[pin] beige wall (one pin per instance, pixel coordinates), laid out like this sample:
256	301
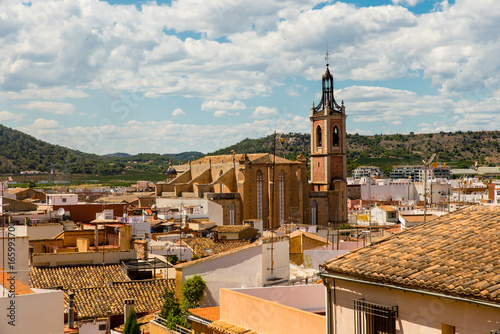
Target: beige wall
40	312
417	313
17	248
60	259
265	316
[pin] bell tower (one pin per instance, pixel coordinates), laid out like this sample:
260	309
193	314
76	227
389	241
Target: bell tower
328	138
328	157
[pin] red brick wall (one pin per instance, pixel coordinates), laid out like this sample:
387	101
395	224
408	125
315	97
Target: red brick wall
337	167
318	168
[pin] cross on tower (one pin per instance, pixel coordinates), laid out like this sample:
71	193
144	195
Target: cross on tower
327	55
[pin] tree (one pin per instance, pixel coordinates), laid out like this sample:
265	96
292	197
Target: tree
171	310
131	325
192	292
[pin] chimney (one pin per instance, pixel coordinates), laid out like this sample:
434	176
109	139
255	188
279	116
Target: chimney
71	311
129	303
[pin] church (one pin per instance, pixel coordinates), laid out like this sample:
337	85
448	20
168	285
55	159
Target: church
270	188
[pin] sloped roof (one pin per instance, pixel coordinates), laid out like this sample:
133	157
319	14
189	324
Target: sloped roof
228	328
298	233
418	218
256	158
387	208
207	313
456	254
206	246
19	287
95	302
216	256
230	228
76	277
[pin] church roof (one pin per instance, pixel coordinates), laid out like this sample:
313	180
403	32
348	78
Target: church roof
255	158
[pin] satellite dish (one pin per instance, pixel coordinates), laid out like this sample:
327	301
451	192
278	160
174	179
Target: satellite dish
183	225
61	211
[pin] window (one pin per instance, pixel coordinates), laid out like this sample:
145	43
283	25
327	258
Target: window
371	318
335	136
260	181
319	138
102	327
231	214
447	329
64	200
281	196
314	213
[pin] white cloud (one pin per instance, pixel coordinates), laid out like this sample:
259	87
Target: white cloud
178	112
221	113
223	105
41	123
59	108
9	116
264	112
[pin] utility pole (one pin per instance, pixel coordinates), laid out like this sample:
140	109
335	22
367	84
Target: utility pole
426	166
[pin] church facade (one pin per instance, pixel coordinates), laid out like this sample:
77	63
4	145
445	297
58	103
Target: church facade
270	188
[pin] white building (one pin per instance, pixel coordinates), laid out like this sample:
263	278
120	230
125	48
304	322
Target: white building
248	266
62	199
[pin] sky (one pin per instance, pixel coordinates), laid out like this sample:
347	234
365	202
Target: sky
193	75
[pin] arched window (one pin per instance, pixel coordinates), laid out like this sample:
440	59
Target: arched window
281	196
314	213
335	136
319	137
231	214
222	188
260	182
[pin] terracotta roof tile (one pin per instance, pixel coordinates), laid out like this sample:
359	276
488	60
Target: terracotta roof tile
230	228
76	277
94	302
206	246
455	254
228	328
207	313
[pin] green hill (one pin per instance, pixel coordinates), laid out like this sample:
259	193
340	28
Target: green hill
22	152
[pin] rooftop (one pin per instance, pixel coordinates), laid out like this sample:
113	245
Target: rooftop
206	246
207	313
76	277
96	301
228	328
455	254
230	228
5	285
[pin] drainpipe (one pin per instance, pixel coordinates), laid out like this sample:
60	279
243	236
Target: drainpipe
71	310
329	329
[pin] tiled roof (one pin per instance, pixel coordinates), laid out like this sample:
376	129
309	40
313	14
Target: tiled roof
206	246
298	233
218	255
5	284
207	313
456	254
228	158
228	328
387	208
230	228
76	277
94	302
419	218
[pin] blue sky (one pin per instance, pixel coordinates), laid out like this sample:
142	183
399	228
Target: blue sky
174	76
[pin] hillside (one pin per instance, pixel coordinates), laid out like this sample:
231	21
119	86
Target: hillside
21	152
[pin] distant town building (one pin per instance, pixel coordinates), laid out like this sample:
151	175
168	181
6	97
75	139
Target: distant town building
367	171
415	173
